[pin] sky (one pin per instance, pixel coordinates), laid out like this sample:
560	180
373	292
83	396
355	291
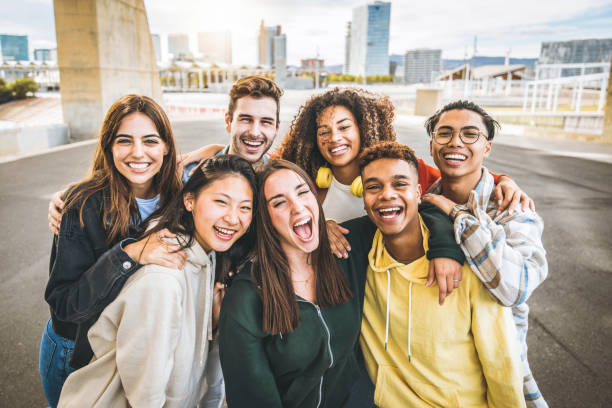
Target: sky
318	26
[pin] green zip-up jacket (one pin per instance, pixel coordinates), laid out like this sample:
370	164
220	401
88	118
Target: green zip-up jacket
315	365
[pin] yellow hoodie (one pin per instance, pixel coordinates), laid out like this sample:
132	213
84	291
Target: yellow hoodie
461	354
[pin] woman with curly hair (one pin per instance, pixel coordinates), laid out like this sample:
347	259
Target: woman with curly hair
327	136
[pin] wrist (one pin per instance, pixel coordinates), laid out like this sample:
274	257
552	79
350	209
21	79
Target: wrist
457	210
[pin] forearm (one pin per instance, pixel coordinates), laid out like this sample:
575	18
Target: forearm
508	257
76	291
441	240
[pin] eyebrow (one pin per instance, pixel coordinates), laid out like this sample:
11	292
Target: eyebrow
131	137
230	198
396	177
246	115
465	127
280	195
337	123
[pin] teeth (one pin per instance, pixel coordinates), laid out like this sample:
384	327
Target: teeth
251	143
383	210
454	156
138	165
306	221
339	148
225	231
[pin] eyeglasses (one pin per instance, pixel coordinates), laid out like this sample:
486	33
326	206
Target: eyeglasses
467	135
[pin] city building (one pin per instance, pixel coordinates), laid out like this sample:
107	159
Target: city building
369	39
14	47
347	49
215	47
271	44
157	46
45	54
576	52
422	65
178	46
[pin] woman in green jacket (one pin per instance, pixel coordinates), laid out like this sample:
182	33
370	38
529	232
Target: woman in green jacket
290	322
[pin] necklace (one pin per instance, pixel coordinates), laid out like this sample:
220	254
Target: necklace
304	281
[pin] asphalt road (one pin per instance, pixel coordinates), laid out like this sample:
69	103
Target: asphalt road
571	313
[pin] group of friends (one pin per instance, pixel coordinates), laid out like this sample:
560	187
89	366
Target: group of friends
337	271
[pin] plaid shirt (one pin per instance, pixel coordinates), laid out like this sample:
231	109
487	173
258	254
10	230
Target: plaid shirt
505	252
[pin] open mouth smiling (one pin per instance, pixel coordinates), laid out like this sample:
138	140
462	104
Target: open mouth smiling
339	150
389	213
252	144
303	229
454	158
225	234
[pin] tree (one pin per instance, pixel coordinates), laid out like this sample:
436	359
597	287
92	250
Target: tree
5	93
23	87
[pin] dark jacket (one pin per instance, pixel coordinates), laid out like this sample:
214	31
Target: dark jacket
85	275
315	365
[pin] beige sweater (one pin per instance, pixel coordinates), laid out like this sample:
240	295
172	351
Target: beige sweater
150	344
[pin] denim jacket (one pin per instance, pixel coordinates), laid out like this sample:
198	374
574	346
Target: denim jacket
85	275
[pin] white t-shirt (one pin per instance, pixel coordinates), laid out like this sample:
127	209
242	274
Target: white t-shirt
340	204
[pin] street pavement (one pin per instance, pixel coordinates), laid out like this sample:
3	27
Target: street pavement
571	313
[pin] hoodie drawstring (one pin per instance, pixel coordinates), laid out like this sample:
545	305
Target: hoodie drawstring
409	316
409	313
388	301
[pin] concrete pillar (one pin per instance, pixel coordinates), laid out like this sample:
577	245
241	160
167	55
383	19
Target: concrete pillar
607	130
104	51
427	101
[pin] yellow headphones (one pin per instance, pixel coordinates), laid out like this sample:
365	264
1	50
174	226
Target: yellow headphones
324	179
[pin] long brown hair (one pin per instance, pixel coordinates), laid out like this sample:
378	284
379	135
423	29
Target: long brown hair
119	208
271	270
374	115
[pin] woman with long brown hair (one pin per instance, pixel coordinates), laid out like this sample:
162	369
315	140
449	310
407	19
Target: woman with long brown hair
153	345
134	173
290	319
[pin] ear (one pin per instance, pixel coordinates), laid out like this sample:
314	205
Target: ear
228	123
431	147
188	201
487	148
166	149
419	193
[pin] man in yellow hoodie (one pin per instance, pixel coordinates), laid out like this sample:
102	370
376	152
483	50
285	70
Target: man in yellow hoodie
418	353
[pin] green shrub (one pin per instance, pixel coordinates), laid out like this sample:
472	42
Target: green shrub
22	87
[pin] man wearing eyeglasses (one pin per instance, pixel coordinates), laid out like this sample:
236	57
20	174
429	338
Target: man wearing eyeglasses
504	250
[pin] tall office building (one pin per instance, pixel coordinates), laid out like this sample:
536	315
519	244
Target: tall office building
576	51
215	46
369	52
45	54
271	45
14	47
156	46
178	46
422	65
347	49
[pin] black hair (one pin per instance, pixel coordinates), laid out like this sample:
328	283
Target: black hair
491	124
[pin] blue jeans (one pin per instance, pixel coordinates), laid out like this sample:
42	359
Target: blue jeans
55	352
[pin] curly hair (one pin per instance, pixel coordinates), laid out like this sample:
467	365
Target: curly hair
374	115
388	150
